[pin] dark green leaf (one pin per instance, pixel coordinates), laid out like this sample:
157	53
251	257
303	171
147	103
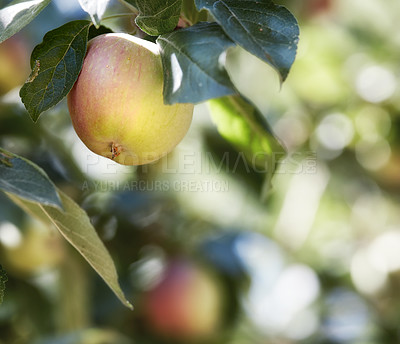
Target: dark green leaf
17	14
74	224
158	16
56	64
193	64
23	178
94	32
3	280
95	8
266	30
240	123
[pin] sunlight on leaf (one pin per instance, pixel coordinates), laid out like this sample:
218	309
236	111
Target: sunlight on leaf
17	14
241	124
192	71
95	8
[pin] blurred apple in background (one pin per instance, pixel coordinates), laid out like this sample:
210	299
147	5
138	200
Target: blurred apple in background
31	250
186	304
14	63
315	7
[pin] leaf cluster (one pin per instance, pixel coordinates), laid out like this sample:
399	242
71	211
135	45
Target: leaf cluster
193	37
193	53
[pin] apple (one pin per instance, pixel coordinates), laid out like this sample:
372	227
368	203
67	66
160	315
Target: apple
39	248
116	104
14	63
315	7
186	304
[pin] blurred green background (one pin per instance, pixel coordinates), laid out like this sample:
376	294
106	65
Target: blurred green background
201	257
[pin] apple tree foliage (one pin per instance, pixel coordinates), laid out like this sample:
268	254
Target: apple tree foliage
193	37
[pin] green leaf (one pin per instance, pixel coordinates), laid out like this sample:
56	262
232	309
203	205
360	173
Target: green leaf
266	30
3	280
95	8
190	12
56	64
130	4
101	30
17	14
23	178
192	71
241	124
157	17
74	224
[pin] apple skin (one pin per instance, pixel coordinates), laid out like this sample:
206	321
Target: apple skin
187	303
116	104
